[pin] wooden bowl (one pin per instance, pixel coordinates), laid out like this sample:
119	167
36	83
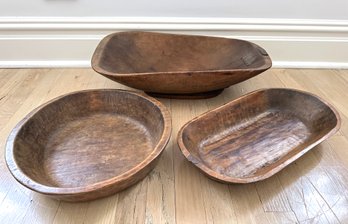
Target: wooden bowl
178	66
88	144
255	136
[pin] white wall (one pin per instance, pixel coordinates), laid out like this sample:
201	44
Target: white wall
292	9
296	33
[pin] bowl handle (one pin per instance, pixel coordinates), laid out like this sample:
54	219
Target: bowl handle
262	51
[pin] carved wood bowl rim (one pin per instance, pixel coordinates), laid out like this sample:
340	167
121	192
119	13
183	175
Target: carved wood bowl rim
96	58
28	182
226	179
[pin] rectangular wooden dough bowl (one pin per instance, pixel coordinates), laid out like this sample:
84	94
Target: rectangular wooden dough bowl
257	135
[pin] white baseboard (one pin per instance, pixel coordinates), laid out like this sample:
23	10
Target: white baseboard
45	64
310	65
70	42
87	64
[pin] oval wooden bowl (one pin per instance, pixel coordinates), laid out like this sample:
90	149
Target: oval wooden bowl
178	66
88	144
255	136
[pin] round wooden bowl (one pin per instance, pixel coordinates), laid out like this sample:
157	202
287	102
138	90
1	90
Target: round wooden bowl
88	144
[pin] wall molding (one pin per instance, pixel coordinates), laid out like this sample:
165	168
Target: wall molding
87	64
169	23
70	42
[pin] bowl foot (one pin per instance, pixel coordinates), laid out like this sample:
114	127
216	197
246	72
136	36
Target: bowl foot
203	95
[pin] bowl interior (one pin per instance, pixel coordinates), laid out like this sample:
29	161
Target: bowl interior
146	52
250	137
87	137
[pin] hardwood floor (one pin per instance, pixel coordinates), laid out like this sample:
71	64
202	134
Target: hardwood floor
314	189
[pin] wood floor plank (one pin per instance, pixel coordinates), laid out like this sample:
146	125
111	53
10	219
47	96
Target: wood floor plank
6	76
19	201
189	202
304	199
17	93
102	211
340	144
249	208
70	213
331	176
131	204
160	204
266	191
342	73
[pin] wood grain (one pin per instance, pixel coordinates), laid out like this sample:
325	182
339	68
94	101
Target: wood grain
311	190
255	136
88	144
178	66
